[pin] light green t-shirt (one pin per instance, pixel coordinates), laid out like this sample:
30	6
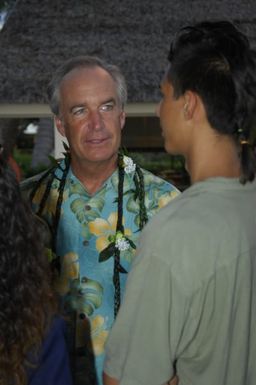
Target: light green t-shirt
190	299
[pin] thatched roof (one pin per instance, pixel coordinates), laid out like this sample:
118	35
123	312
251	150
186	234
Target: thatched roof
134	34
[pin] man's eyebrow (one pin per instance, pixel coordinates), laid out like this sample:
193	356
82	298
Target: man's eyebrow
83	105
76	106
111	100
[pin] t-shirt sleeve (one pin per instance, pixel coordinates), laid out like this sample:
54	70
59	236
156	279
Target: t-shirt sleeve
143	343
53	368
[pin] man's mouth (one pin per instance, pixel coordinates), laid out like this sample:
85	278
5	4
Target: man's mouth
96	141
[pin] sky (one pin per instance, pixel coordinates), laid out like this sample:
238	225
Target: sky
3	15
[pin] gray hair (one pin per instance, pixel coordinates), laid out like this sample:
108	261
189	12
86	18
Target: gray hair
53	90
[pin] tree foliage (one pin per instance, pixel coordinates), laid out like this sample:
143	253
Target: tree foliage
6	4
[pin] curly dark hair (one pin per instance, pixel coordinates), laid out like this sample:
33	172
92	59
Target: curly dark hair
27	303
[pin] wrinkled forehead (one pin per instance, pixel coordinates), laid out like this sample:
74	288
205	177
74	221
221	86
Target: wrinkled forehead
89	80
89	74
89	87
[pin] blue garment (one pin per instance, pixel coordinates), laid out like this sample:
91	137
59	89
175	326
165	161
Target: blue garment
86	228
53	364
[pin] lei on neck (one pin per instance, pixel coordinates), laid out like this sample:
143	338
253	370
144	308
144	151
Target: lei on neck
120	242
117	243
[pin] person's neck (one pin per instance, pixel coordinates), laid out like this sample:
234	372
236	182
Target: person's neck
93	174
213	158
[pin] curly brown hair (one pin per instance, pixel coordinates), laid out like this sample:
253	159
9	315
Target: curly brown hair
27	303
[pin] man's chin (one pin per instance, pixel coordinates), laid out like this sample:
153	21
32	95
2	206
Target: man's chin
100	157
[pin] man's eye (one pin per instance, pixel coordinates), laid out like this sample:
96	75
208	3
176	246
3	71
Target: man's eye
78	111
107	107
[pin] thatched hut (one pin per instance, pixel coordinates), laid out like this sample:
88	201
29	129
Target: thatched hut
39	35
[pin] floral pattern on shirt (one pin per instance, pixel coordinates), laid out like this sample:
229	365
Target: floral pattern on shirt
86	227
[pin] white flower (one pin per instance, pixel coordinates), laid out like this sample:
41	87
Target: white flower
129	165
122	244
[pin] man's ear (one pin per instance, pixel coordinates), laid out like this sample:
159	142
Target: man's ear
122	119
59	124
190	103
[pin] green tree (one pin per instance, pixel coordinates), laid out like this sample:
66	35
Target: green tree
6	4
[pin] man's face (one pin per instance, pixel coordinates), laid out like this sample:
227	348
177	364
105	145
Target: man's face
90	115
171	113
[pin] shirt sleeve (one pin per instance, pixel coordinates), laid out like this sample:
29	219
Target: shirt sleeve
53	368
143	343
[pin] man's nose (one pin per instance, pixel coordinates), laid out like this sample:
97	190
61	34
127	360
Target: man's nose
95	120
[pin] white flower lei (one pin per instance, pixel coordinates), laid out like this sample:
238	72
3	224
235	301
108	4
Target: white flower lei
121	243
129	165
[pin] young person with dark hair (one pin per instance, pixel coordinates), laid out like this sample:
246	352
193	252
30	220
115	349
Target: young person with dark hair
189	310
32	338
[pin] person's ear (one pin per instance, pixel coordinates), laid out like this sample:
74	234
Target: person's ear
122	119
59	124
190	101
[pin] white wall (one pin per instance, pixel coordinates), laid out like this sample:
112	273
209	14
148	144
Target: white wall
59	149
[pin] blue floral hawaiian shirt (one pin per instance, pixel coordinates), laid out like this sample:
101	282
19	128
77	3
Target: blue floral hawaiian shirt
86	226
